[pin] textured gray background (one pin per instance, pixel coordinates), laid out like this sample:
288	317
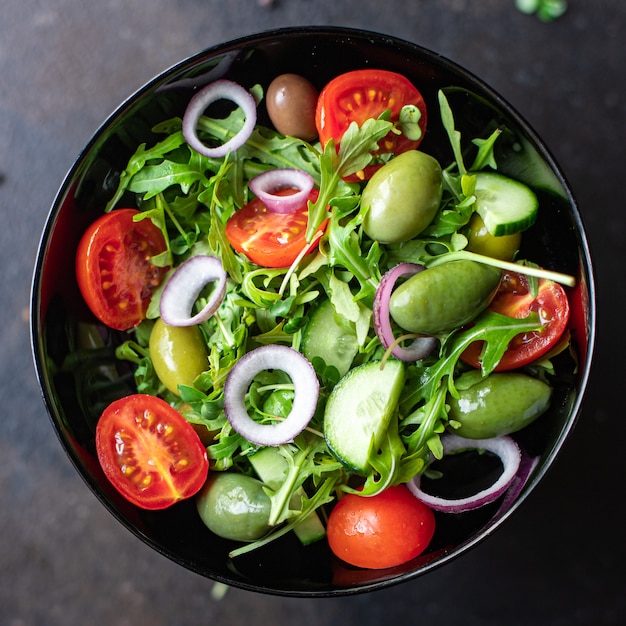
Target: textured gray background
64	66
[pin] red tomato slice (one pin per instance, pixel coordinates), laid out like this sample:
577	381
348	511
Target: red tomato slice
113	267
515	300
579	323
149	452
380	531
270	239
364	94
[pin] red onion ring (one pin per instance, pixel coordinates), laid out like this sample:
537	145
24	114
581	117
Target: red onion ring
265	185
185	284
306	391
526	468
421	346
504	447
219	90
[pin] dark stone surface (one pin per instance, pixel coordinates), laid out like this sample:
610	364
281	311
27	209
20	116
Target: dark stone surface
64	66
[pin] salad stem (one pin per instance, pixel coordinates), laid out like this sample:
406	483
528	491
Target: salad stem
538	272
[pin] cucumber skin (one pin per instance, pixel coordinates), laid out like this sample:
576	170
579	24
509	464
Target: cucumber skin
504	215
347	434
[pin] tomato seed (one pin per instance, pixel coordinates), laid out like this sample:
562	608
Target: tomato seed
181	465
544	315
119	444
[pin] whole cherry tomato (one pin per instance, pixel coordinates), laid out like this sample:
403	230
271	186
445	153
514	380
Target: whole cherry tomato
380	531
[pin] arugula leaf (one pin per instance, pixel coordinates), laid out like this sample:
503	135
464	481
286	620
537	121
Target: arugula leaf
345	250
300	465
155	211
447	118
228	445
139	160
385	463
430	420
220	205
449	219
485	156
145	377
264	145
154	179
495	329
354	154
424	406
459	183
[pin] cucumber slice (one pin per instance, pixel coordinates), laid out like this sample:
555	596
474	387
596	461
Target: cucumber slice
324	337
506	205
358	411
271	468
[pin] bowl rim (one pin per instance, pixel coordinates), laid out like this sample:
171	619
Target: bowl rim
247	41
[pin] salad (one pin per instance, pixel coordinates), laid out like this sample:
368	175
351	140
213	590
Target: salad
316	312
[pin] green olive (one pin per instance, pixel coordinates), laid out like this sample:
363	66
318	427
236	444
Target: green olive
481	241
291	101
499	404
178	354
234	506
402	197
444	297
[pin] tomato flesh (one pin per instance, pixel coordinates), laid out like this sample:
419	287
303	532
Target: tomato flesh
114	270
579	323
515	299
149	452
270	239
380	531
365	94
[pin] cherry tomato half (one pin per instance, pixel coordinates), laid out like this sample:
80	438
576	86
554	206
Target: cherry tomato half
380	531
270	239
364	94
114	270
149	452
514	299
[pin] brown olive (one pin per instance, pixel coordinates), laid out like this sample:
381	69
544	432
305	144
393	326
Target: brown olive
291	102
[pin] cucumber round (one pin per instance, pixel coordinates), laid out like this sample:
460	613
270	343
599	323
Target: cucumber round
325	337
358	411
505	205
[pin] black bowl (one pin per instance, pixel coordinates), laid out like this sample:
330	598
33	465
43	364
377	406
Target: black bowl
77	382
